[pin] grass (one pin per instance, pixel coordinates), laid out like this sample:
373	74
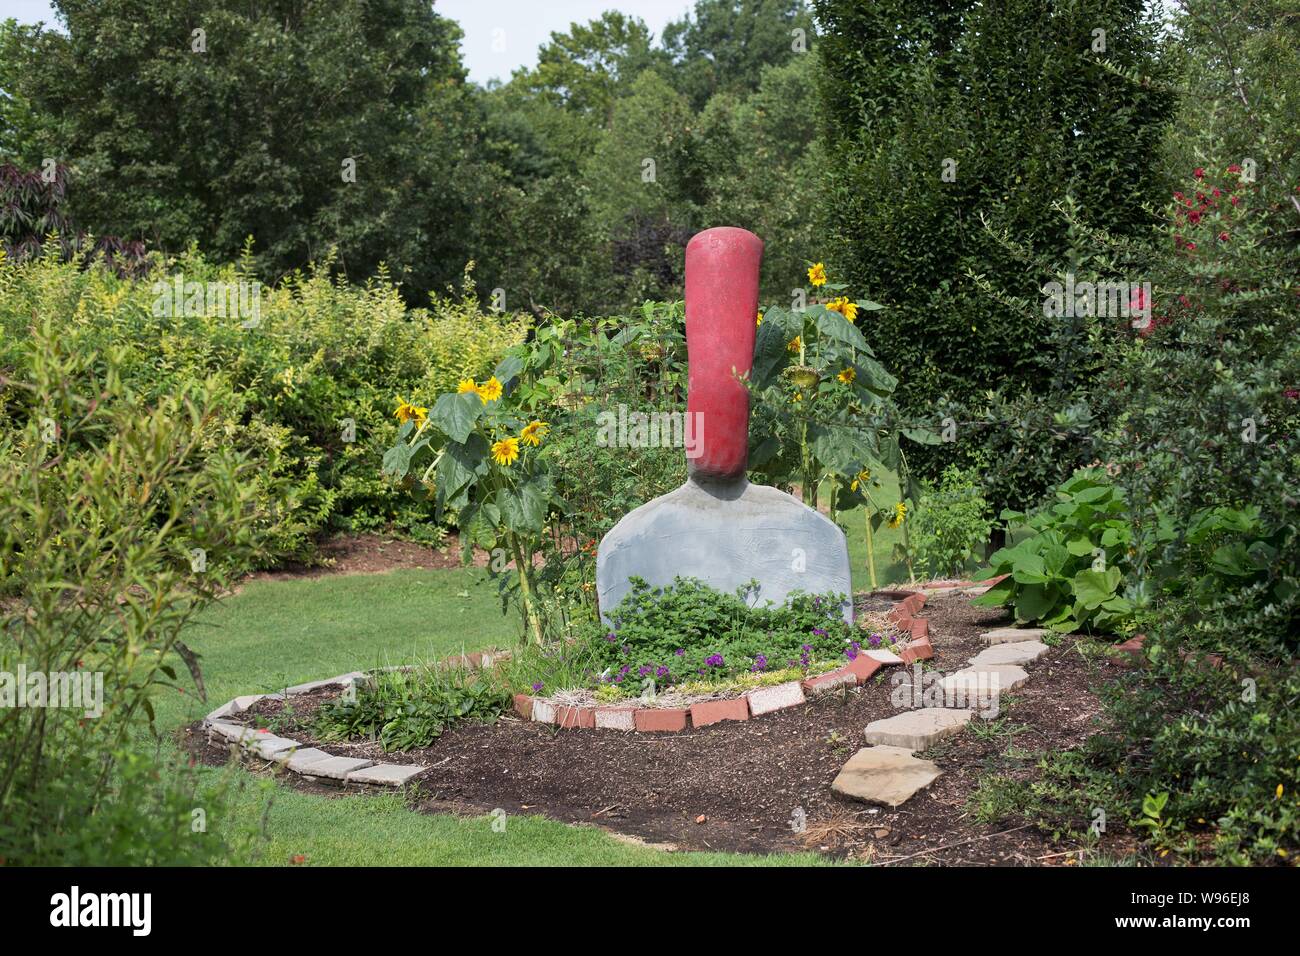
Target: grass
275	633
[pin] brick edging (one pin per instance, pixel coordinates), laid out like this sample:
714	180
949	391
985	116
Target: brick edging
752	703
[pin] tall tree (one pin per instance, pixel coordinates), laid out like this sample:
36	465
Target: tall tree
954	126
725	44
305	125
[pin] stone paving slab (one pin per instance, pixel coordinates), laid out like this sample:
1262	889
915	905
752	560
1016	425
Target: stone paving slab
883	657
336	768
918	729
230	731
299	760
885	775
1019	652
386	774
972	686
1004	635
269	746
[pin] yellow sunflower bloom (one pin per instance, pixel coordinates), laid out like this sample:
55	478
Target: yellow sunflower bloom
506	451
844	307
405	411
794	345
490	390
466	385
848	375
759	319
863	477
817	275
534	432
899	516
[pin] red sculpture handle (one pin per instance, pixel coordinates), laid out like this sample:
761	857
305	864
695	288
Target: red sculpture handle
721	307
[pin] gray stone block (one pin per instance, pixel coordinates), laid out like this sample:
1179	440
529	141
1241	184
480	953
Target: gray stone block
725	534
300	760
335	768
385	774
1004	635
268	746
1018	652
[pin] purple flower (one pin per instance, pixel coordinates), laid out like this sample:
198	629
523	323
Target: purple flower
874	640
661	672
624	669
819	632
643	670
714	660
807	648
618	679
611	637
625	649
680	652
760	663
538	685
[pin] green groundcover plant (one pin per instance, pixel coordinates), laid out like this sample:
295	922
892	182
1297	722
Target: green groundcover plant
406	709
690	632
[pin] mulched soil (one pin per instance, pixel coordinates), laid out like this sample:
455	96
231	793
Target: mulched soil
738	786
372	554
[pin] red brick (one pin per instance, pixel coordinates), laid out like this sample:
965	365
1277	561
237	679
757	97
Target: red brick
665	721
1132	649
475	660
863	667
915	603
826	682
901	614
571	717
920	628
713	711
917	650
524	706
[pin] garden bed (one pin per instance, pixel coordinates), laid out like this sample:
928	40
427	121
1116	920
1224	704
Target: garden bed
744	782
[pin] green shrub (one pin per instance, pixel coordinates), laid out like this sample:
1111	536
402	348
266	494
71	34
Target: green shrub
1067	574
115	529
407	709
308	390
951	523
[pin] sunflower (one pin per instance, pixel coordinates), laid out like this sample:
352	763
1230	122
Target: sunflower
794	345
899	515
405	411
466	385
844	307
534	432
490	390
848	375
863	477
759	319
817	275
506	451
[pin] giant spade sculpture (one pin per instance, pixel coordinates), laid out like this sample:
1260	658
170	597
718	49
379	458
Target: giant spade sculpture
718	527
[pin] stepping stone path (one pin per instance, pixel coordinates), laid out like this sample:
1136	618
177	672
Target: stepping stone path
1021	652
918	729
890	773
1006	635
889	776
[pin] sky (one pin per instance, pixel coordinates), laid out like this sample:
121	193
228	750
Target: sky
500	35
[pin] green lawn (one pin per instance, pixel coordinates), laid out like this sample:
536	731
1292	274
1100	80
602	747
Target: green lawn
275	633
